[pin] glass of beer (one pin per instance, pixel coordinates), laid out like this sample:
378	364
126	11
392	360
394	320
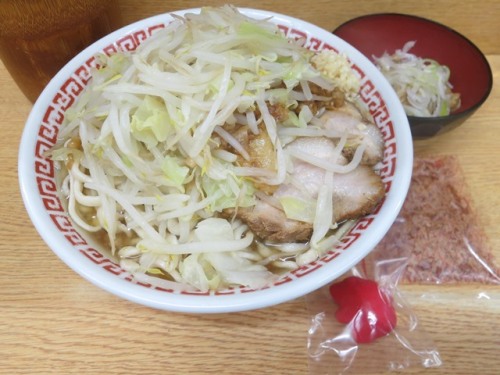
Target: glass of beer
37	37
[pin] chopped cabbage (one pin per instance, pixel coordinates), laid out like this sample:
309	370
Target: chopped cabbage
298	208
150	123
175	173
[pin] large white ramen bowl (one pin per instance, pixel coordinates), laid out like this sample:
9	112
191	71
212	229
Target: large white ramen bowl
46	209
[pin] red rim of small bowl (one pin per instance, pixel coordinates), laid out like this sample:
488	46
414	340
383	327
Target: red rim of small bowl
460	112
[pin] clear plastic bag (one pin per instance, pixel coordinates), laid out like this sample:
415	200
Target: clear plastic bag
332	346
439	229
438	242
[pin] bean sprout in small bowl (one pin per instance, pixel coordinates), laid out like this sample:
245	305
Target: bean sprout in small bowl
196	168
425	61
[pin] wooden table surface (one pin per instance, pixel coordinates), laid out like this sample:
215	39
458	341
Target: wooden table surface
54	322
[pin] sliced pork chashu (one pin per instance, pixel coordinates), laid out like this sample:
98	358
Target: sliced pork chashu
271	224
348	120
355	193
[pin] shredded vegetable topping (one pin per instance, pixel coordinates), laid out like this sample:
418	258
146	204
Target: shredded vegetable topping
154	157
422	84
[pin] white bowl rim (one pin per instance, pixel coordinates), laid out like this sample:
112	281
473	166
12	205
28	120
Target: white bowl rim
223	303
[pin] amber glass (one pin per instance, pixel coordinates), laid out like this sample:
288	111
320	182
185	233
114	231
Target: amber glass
37	37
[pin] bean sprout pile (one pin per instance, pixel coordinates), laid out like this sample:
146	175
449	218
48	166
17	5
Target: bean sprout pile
141	151
422	84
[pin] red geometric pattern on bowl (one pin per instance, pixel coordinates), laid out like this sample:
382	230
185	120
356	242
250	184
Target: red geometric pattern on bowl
74	86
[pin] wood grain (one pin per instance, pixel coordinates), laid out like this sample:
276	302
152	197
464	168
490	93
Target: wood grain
54	322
